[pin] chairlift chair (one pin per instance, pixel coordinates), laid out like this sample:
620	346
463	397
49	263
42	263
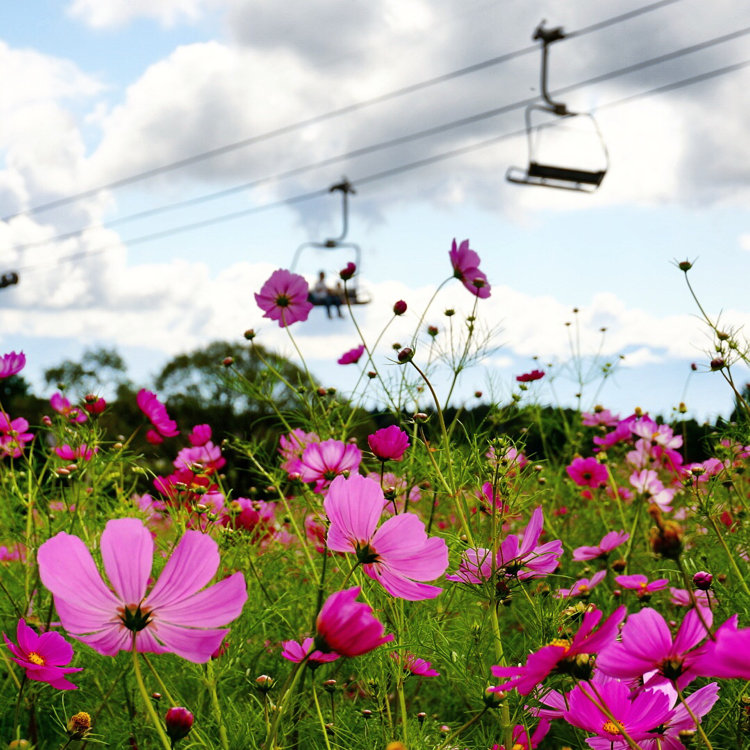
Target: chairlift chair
354	296
542	171
8	279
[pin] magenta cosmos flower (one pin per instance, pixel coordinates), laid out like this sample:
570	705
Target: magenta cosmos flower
296	652
641	585
413	665
465	264
728	656
389	444
560	655
639	716
583	586
63	406
530	377
11	364
608	543
520	558
322	462
399	554
347	626
284	298
587	472
523	739
156	412
13	436
43	656
647	644
352	356
175	616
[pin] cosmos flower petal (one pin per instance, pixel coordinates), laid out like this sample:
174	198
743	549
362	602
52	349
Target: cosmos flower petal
214	606
192	565
127	549
692	630
193	644
399	585
69	572
354	505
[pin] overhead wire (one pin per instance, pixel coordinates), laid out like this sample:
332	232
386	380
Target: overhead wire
383	174
347	109
389	143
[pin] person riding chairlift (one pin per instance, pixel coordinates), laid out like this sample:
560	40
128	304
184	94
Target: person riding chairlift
322	295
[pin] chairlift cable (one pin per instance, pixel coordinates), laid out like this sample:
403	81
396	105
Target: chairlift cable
347	109
398	169
399	140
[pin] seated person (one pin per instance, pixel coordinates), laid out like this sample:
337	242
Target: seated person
322	295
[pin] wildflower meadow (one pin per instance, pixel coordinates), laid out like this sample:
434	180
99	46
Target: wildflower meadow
417	576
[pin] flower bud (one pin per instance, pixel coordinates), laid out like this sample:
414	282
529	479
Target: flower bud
685	265
250	334
449	312
264	683
372	374
399	308
20	745
179	722
366	713
432	331
421	716
79	725
227	361
347	271
702	580
156	696
329	686
717	363
405	355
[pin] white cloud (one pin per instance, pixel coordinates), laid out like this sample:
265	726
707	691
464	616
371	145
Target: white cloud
744	242
111	13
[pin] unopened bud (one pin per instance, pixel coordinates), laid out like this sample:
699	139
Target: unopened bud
347	271
79	725
264	683
179	722
405	355
685	265
702	580
399	308
250	334
227	361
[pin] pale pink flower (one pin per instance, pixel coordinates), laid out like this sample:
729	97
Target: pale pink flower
13	436
465	264
322	462
292	446
175	616
412	664
583	586
68	453
207	455
284	298
599	417
398	554
11	364
640	584
63	406
296	652
609	541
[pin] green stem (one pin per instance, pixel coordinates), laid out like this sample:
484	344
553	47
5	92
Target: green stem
147	699
320	716
223	737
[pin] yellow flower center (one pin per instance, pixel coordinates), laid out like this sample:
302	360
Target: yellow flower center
612	727
564	642
517	746
35	658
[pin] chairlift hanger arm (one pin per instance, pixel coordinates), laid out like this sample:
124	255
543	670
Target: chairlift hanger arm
346	188
547	37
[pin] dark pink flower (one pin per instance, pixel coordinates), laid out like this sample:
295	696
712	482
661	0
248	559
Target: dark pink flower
284	298
11	364
94	405
639	716
43	656
398	554
389	443
178	615
529	377
523	739
399	307
322	462
640	584
347	626
410	663
13	436
156	412
200	435
68	453
352	356
179	722
63	406
587	472
608	543
647	644
347	271
728	657
296	652
465	264
559	656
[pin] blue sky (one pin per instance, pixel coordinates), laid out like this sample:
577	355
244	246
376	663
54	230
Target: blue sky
98	90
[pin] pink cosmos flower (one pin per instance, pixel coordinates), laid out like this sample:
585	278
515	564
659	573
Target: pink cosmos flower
83	451
620	434
647	644
521	559
63	406
11	364
352	356
292	446
94	405
530	377
256	517
175	616
43	656
609	542
640	584
389	443
587	472
523	739
559	655
321	462
599	417
398	554
465	264
728	656
681	597
200	435
284	298
207	455
410	663
647	482
296	652
348	627
156	412
582	587
13	436
639	716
